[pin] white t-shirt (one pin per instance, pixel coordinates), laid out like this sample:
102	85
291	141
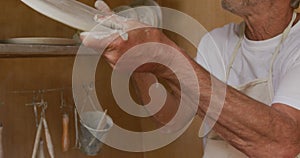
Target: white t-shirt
253	61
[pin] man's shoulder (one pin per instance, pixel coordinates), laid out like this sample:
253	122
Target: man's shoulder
230	29
222	34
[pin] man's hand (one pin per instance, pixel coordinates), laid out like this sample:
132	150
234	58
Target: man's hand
126	34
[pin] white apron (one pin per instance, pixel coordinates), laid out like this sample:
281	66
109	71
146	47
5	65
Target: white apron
259	89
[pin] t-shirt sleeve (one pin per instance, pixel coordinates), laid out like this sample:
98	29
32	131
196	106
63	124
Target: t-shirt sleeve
210	57
200	57
288	91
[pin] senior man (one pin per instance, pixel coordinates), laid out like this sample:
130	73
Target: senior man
261	113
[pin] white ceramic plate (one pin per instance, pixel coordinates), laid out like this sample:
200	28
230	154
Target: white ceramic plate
69	12
41	40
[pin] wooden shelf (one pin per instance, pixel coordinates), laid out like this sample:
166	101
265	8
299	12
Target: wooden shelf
26	50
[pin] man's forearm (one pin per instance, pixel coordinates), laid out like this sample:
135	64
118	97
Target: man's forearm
256	129
142	83
253	127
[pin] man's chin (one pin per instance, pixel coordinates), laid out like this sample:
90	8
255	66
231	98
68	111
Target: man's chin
231	7
226	5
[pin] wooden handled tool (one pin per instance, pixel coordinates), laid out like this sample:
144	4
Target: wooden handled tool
37	138
41	153
65	123
65	135
48	139
76	128
1	147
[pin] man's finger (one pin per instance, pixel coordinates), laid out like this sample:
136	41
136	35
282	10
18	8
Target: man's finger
102	6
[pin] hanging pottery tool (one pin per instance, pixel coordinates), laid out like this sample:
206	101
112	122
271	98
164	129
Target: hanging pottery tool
41	153
47	132
77	145
35	105
37	138
42	123
65	125
38	148
65	135
35	110
48	139
1	147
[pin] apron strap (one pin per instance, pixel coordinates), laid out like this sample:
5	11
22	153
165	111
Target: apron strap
277	50
236	49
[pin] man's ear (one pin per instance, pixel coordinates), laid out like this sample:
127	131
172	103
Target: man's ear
295	3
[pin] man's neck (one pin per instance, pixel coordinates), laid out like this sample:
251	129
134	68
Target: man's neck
262	27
